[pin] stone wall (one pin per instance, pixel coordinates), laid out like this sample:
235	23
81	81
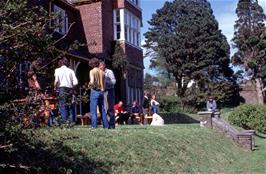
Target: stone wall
246	138
251	92
173	118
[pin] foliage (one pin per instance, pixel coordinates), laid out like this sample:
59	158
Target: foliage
226	93
148	81
170	104
249	116
119	59
23	39
185	35
249	37
25	36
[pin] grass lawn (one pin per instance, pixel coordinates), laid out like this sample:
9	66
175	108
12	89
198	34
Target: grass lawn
177	148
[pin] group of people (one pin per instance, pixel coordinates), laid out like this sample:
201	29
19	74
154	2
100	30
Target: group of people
149	106
101	85
102	96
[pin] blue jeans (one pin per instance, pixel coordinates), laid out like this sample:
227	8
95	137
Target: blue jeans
97	99
66	107
154	109
52	120
111	103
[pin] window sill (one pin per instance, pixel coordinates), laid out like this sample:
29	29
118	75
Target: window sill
127	42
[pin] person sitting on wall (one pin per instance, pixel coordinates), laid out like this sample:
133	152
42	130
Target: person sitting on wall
211	104
121	116
135	111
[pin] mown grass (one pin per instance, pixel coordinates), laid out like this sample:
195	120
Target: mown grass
178	148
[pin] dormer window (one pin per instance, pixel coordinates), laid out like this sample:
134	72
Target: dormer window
61	19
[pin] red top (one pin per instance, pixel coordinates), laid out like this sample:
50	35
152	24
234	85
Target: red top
118	108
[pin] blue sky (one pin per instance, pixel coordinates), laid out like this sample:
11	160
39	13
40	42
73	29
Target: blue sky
224	11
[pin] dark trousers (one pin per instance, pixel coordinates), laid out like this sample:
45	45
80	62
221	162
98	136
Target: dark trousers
122	118
110	94
66	108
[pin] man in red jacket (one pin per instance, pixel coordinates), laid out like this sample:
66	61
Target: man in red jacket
121	116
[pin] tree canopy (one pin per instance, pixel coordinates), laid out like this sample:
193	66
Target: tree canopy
250	34
185	35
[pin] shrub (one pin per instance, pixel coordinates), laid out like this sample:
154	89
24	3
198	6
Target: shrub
249	116
173	104
169	103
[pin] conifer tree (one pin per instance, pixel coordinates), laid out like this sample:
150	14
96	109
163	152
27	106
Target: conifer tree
185	34
250	33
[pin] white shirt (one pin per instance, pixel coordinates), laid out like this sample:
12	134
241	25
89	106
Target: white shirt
65	77
154	102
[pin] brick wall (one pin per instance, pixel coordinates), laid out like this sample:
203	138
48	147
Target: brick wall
91	17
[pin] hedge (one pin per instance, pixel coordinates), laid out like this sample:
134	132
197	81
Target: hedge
249	116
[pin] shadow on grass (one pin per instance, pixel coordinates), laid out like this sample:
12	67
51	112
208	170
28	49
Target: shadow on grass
35	155
262	136
175	118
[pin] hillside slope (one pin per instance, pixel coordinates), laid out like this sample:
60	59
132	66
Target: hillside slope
145	149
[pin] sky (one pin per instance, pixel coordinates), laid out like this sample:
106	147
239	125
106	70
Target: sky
224	12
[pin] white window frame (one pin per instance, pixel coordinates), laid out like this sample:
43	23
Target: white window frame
61	25
129	27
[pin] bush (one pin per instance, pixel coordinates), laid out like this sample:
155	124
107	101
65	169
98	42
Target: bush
249	116
169	103
173	104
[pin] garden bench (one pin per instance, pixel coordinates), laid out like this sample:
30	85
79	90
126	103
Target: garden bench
84	119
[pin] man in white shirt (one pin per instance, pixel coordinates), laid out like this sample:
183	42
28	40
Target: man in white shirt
109	94
65	81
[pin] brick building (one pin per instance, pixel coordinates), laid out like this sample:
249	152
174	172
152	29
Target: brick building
98	23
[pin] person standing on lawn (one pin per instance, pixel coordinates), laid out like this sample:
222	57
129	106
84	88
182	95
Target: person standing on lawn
154	105
97	86
109	94
65	81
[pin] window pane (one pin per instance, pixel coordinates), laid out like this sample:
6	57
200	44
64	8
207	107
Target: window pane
138	39
117	15
126	32
125	17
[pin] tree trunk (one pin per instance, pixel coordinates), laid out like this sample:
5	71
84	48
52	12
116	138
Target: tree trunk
259	91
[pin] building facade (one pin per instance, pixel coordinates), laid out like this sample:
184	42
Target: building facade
98	24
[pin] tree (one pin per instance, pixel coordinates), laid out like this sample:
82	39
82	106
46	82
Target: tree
23	39
185	35
148	81
119	60
250	34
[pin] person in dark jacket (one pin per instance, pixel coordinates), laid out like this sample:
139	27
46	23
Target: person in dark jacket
146	104
135	111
